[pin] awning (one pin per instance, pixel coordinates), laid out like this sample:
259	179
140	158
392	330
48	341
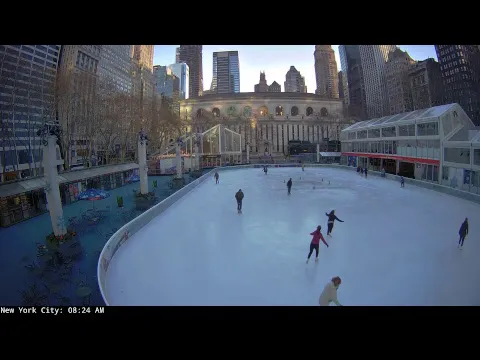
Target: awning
330	154
70	176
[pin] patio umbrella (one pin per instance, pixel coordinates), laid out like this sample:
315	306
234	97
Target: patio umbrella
93	195
132	179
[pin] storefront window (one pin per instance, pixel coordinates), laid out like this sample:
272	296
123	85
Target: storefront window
435	173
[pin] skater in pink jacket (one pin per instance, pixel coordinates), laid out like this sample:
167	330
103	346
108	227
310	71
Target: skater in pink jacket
314	245
329	293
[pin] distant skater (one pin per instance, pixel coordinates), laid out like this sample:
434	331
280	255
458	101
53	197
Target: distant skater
265	170
239	197
365	171
303	167
402	181
331	219
314	245
329	293
216	177
289	186
463	232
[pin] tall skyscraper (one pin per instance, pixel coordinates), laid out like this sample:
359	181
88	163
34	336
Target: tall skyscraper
182	72
294	81
160	74
192	56
27	87
399	92
340	85
326	71
461	72
115	66
226	72
353	84
143	54
426	84
373	59
142	70
177	55
262	85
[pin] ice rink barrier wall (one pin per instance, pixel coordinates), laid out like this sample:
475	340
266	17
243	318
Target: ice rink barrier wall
130	228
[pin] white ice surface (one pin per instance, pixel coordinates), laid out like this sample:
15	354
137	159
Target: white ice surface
396	247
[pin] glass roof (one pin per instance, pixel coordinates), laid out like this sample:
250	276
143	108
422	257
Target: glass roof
411	116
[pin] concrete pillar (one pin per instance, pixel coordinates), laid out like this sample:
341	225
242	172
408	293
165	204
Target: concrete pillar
318	153
142	165
248	152
52	190
398	167
178	160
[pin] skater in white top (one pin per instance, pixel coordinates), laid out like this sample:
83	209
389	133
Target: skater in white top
329	293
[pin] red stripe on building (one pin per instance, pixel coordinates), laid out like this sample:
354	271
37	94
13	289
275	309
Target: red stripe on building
394	157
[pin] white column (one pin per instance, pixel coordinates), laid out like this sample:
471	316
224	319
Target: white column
248	152
197	153
142	166
52	190
220	140
178	160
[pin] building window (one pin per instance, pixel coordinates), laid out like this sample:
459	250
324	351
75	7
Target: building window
455	155
294	111
279	111
427	129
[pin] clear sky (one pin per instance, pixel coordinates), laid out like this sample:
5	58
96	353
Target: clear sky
275	60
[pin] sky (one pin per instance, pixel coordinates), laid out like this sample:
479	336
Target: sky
275	60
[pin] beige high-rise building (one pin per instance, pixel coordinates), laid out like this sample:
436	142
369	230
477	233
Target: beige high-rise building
326	71
143	54
142	71
373	59
294	81
399	92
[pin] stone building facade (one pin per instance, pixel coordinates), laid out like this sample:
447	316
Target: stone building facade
267	121
399	94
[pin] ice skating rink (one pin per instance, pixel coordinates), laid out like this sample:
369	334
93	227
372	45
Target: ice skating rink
396	247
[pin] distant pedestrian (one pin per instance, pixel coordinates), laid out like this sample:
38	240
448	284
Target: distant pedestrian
289	186
216	177
463	232
329	293
239	197
402	181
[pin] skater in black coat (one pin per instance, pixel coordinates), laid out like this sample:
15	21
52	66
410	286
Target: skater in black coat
289	185
239	197
463	232
331	219
216	177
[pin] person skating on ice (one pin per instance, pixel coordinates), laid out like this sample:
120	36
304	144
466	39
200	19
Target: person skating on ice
331	219
329	293
402	181
303	167
463	232
289	186
365	171
216	176
239	197
314	245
